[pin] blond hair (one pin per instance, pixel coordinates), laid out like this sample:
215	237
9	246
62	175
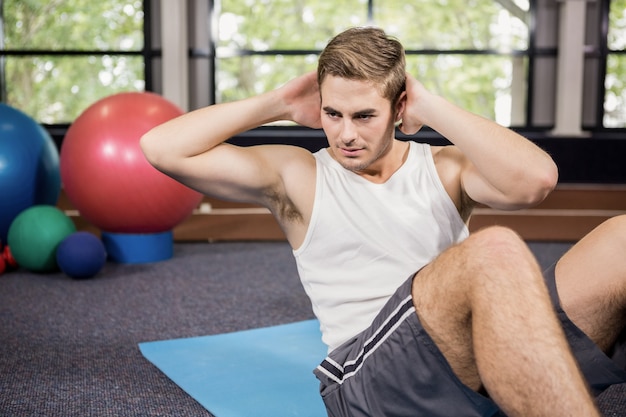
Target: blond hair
366	54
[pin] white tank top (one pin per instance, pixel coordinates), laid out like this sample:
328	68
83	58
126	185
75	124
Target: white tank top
364	239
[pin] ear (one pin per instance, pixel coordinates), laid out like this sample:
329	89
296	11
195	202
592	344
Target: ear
400	106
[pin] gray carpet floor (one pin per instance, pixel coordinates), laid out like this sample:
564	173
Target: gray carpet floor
69	348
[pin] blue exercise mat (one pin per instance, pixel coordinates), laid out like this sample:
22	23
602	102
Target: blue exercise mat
261	372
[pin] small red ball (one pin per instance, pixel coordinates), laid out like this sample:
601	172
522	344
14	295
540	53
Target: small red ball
8	258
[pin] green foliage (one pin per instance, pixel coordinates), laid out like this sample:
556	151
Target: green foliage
286	24
76	24
615	99
275	25
453	24
615	83
473	81
264	43
56	89
617	25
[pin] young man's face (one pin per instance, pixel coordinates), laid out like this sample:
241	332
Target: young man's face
358	122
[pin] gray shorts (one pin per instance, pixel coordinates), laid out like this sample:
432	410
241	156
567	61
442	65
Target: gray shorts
394	368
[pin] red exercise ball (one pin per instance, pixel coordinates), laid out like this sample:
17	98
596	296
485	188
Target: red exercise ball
106	176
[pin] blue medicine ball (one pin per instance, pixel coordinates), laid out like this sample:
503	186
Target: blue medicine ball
29	166
81	255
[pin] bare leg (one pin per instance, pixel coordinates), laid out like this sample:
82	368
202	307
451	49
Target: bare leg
591	281
486	306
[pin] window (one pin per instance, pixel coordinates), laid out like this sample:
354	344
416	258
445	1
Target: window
472	51
615	79
57	57
496	58
262	44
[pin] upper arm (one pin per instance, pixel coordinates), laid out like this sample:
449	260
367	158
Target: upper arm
251	174
468	187
524	187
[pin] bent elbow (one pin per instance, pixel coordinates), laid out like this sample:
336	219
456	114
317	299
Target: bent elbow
548	180
545	182
147	144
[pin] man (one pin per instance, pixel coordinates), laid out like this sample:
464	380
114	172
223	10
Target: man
420	318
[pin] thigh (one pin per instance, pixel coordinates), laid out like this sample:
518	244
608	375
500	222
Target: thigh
470	298
394	368
591	282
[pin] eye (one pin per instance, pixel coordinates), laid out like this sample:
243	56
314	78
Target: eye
364	117
332	114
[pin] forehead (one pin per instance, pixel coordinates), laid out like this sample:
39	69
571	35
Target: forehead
346	95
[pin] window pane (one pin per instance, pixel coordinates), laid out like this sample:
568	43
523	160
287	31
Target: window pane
617	25
456	24
481	84
242	77
615	98
57	89
286	24
75	25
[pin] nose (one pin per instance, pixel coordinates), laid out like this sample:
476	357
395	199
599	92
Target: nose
348	132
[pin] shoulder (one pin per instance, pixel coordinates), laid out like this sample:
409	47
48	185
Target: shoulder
282	154
287	163
294	162
447	154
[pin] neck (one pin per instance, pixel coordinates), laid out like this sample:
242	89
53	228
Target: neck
387	164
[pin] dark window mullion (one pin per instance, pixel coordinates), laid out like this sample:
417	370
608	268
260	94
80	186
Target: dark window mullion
147	45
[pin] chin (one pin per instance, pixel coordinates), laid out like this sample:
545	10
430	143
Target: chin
354	165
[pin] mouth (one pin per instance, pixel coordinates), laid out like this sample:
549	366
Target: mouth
350	152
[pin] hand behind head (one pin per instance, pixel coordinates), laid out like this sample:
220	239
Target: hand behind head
411	122
302	97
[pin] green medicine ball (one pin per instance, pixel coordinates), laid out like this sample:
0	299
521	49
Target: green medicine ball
35	234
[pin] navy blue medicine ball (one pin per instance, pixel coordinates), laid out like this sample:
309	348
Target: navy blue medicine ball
81	255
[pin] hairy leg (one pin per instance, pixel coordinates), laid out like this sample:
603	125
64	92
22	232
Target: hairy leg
486	306
591	281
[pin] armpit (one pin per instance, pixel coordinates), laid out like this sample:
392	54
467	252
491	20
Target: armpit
282	206
467	206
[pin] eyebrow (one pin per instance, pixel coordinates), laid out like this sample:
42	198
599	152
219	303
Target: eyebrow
365	112
329	109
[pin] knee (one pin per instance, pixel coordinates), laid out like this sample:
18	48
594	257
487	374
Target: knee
498	242
615	230
499	248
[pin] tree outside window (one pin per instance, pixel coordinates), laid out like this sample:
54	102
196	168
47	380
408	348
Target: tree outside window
471	51
615	80
59	56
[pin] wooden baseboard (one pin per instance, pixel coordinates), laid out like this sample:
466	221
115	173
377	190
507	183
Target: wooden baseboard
570	212
567	214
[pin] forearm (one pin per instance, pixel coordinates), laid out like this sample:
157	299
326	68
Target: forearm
201	130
